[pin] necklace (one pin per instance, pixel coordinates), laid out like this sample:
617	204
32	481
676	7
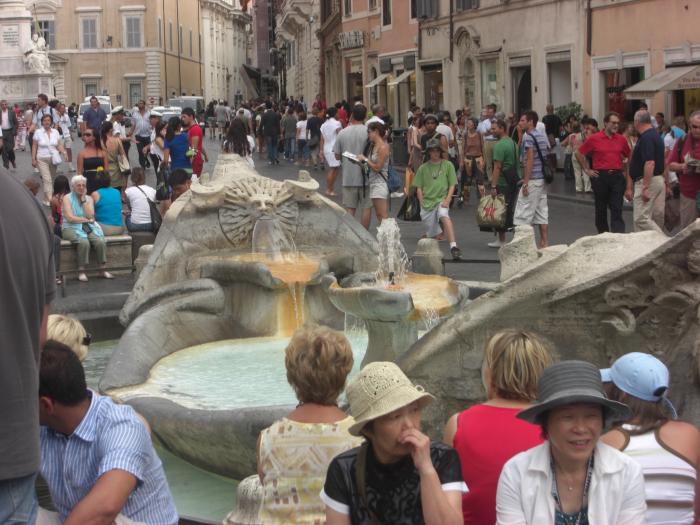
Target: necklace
575	519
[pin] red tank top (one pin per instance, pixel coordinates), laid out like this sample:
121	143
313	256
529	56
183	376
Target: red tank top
486	438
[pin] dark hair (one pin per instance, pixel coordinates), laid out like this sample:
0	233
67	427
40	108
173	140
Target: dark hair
178	177
159	127
173	125
492	106
376	126
609	115
138	176
500	123
592	122
94	98
302	115
102	180
187	111
647	415
268	105
237	139
359	112
43	97
330	112
106	128
474	121
61	185
48	116
61	375
531	116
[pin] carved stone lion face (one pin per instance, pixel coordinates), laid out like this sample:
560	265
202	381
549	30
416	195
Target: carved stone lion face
250	198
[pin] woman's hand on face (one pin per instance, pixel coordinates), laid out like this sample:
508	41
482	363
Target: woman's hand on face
420	450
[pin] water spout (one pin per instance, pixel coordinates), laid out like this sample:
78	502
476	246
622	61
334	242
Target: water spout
393	260
270	239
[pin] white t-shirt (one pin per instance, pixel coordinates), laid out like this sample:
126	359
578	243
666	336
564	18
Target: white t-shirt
119	129
329	130
46	142
301	126
64	123
669	142
155	148
484	127
375	118
140	210
446	131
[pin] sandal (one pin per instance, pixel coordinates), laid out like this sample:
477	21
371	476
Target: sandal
82	277
107	275
59	280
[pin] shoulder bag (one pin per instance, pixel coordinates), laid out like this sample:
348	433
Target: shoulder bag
546	168
156	218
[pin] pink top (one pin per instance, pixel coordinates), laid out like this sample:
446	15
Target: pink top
486	438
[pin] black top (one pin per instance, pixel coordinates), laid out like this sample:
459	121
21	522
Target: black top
650	146
270	122
552	124
313	126
392	491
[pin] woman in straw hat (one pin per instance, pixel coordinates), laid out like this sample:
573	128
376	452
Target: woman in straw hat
667	450
487	435
398	476
572	478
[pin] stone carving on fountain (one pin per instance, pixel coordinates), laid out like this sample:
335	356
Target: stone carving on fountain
202	283
597	299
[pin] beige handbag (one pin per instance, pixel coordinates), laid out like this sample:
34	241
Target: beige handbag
124	165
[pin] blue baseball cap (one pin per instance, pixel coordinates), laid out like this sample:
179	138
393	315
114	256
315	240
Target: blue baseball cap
640	375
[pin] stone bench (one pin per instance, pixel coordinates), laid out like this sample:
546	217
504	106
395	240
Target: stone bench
119	258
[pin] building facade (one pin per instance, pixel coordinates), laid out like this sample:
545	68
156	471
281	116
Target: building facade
224	43
129	50
296	39
263	64
370	51
519	55
645	51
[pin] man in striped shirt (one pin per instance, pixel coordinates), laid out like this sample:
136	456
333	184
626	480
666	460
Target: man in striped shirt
96	456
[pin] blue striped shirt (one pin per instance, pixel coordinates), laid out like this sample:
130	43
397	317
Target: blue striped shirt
110	437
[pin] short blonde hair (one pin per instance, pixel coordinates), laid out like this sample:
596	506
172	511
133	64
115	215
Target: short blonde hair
515	360
318	362
70	332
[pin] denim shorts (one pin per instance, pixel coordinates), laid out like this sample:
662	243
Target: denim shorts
18	505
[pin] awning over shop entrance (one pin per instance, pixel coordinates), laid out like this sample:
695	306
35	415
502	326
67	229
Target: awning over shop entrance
381	78
246	73
671	79
403	76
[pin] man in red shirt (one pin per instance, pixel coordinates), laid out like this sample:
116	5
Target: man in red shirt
195	136
610	152
684	159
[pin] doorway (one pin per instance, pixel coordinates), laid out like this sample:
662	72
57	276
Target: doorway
522	89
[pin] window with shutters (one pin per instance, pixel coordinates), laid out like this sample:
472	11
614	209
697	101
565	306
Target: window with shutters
464	5
347	7
132	26
89	33
386	12
47	29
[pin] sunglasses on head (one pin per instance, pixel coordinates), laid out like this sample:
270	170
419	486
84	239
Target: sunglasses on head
87	339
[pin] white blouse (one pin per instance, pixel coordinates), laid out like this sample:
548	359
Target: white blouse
46	142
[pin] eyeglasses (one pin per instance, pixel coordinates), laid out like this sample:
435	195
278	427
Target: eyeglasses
87	339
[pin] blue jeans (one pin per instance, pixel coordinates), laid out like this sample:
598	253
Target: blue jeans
271	143
289	144
302	150
18	504
147	227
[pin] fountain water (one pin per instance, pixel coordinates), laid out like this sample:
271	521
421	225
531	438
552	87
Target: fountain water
393	262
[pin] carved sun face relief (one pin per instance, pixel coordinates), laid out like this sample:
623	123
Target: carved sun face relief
249	199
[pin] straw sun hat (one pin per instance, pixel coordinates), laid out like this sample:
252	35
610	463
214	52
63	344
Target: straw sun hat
380	388
568	383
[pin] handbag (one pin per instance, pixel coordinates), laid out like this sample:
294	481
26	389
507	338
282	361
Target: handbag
410	209
124	166
156	218
546	167
393	179
491	212
162	186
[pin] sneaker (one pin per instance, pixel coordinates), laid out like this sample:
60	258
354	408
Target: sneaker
396	195
82	277
456	253
496	244
107	275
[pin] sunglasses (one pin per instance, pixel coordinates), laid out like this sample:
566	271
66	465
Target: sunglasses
87	339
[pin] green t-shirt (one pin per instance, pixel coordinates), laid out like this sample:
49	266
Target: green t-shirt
435	180
505	151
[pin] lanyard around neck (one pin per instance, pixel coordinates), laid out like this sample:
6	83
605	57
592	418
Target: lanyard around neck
586	487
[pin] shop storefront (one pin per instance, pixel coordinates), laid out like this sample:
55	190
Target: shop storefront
681	82
433	88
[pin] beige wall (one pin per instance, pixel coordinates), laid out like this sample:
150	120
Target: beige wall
493	47
648	34
111	66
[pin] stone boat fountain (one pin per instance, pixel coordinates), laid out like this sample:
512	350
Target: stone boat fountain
240	262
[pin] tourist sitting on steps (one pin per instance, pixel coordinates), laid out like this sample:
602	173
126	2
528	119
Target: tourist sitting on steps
435	183
668	450
79	226
294	452
572	477
398	475
489	434
108	205
137	197
96	456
